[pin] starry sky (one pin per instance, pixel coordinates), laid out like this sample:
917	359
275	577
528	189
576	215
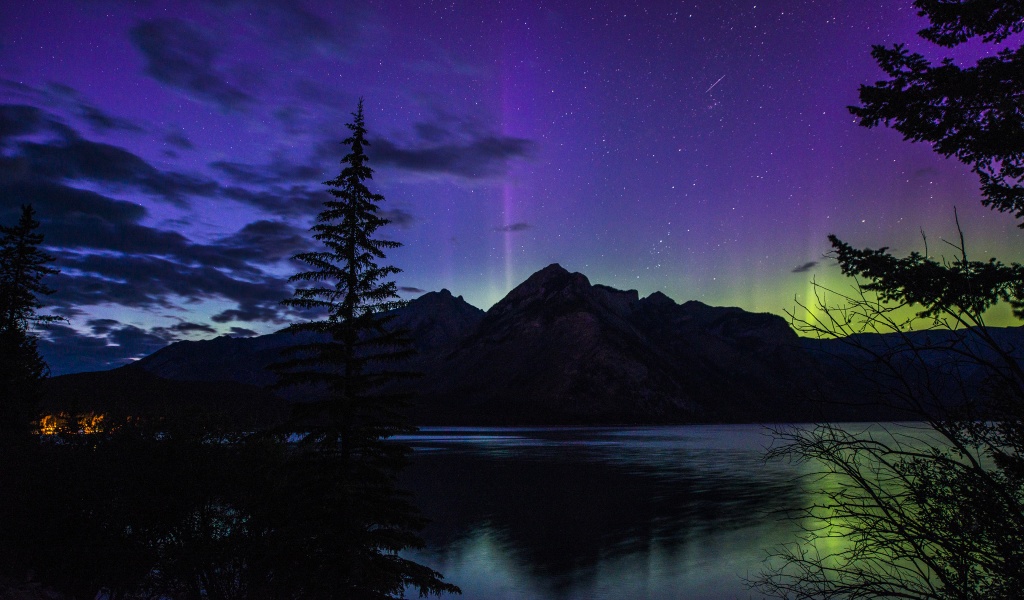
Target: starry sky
174	151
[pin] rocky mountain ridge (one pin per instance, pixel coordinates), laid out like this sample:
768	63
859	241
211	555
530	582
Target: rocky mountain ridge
560	350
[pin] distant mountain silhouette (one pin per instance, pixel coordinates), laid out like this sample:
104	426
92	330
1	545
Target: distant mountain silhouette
435	321
556	350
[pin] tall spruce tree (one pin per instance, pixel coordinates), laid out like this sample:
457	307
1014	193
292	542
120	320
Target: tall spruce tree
349	285
348	524
23	265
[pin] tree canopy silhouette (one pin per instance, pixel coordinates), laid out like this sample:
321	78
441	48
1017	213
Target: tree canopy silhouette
23	266
974	113
352	514
347	283
939	512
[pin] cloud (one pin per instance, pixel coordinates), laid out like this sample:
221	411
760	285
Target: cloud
481	157
807	266
60	204
514	227
277	171
294	119
292	201
410	290
102	326
93	161
180	55
178	140
242	332
251	313
272	240
78	220
151	282
399	217
18	120
67	100
100	120
431	132
72	158
187	328
292	28
159	287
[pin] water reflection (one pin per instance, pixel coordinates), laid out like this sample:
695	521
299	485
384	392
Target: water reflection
674	512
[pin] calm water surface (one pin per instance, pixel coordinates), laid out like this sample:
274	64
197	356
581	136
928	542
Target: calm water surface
602	513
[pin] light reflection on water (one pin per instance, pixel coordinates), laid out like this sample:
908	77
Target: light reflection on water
639	513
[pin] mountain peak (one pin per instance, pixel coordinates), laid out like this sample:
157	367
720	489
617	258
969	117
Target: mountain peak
551	273
552	268
442	298
659	299
553	292
551	281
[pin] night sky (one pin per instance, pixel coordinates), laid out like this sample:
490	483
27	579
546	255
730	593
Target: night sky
175	151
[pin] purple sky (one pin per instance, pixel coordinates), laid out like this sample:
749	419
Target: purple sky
175	151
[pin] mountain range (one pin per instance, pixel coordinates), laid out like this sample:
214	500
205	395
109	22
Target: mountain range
556	350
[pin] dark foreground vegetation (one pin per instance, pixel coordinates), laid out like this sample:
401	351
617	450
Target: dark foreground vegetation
938	512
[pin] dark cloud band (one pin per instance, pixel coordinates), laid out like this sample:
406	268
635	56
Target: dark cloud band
178	54
807	266
478	158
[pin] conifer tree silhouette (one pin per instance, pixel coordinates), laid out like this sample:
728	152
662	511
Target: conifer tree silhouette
23	265
352	516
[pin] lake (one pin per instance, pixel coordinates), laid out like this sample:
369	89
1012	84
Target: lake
601	513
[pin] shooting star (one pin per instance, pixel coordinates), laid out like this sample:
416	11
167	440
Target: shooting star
714	84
